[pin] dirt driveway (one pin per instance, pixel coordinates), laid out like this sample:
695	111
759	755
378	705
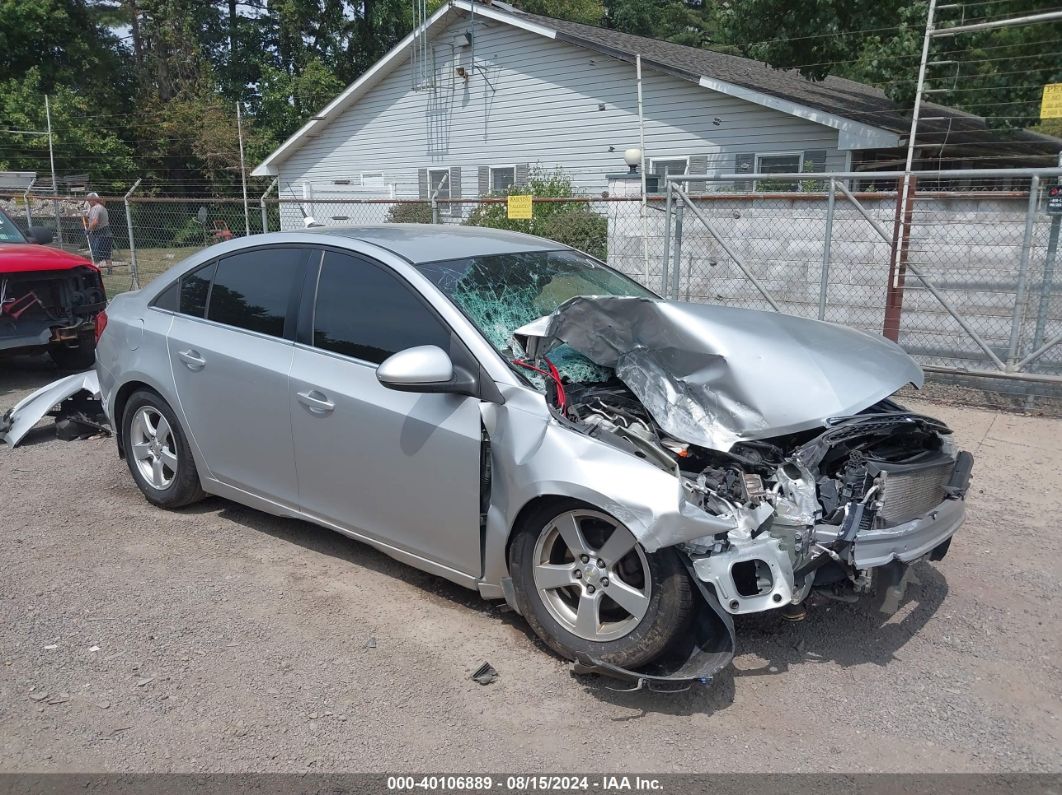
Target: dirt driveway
222	639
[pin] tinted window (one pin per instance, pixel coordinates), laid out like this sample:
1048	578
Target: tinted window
195	287
254	290
367	313
170	298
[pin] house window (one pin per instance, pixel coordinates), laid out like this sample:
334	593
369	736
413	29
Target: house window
778	163
662	167
502	178
439	180
372	179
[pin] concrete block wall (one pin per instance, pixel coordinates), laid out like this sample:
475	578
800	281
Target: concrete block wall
969	247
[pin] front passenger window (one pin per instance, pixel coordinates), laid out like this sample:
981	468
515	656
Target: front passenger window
366	312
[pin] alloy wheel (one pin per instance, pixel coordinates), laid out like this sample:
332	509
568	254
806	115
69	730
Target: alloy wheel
591	575
154	447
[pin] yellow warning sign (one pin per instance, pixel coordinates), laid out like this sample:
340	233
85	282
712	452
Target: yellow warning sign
520	208
1051	106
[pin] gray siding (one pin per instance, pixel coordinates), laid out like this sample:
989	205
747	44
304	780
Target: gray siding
544	110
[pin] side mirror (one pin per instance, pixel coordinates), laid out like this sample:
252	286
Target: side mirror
426	368
42	235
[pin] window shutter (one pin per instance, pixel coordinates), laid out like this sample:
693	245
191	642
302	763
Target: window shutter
815	160
698	165
744	163
523	171
422	183
484	180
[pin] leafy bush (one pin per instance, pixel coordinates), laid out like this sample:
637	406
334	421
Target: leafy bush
409	213
571	223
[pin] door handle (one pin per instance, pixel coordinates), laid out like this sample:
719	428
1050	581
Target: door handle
192	360
317	402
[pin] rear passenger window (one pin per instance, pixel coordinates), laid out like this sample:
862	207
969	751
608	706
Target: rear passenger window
365	312
254	290
195	287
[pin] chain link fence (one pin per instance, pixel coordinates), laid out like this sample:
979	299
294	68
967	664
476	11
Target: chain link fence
965	281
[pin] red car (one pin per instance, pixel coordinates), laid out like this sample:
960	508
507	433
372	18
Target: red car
50	300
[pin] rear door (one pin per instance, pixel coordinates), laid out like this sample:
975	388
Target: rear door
397	466
230	350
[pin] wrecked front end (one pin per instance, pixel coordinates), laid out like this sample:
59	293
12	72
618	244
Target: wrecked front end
784	440
842	513
53	309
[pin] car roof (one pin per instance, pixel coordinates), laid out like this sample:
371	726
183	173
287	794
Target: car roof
435	242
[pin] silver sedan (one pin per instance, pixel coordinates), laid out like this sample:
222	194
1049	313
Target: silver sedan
512	415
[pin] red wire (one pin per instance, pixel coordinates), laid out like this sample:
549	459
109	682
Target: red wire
562	397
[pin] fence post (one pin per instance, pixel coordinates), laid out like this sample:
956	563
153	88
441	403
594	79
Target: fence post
262	204
677	260
134	273
1023	272
824	279
666	264
26	198
1047	285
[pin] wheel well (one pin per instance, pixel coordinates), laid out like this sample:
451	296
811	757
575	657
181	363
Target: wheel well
529	508
124	393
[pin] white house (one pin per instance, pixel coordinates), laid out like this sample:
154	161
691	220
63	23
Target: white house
481	93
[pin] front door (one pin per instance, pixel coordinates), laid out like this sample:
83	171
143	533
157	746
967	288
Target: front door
399	467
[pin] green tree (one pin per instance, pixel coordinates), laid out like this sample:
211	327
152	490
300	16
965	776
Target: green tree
588	12
676	21
997	74
81	142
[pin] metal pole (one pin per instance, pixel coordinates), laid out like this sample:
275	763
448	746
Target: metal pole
1047	284
26	198
895	278
262	203
1000	23
824	279
666	261
243	173
1023	272
51	161
134	271
676	262
641	144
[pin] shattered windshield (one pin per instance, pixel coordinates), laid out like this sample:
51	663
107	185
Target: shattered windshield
500	293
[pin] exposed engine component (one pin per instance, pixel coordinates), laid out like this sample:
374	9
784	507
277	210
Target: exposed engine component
797	503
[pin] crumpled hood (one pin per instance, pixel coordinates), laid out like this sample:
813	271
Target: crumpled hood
713	375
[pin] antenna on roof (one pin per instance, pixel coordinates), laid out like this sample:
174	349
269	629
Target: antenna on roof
421	67
307	219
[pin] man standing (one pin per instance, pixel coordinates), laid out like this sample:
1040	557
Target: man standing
98	224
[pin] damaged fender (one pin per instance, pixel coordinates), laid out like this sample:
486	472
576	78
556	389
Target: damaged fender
18	421
548	459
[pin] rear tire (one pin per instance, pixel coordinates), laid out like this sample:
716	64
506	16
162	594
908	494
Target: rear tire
157	452
83	357
610	599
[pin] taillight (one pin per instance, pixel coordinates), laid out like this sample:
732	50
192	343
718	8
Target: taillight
101	324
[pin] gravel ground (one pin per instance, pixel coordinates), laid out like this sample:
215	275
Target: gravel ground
218	638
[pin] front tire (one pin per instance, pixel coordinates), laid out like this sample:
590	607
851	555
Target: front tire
588	588
157	452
